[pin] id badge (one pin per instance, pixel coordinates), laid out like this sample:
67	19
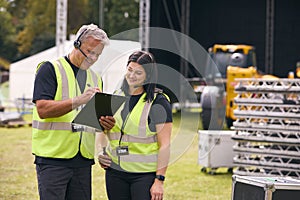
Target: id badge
122	150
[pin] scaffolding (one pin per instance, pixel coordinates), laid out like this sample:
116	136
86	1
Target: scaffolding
61	25
144	23
267	127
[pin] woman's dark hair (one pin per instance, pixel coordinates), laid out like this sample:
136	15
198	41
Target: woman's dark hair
147	61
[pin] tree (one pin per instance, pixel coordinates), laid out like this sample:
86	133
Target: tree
29	26
78	14
121	16
39	27
93	13
7	32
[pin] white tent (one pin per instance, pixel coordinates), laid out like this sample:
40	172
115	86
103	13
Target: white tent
111	65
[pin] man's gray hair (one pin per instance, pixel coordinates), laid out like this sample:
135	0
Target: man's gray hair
94	31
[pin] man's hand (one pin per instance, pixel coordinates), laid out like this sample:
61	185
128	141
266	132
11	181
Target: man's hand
84	97
107	122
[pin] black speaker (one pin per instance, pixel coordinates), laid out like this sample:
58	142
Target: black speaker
259	187
77	42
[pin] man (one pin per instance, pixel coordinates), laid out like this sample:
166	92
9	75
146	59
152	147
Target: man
64	153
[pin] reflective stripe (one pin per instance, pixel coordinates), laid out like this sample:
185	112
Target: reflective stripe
59	126
139	158
131	138
51	125
135	157
144	120
65	84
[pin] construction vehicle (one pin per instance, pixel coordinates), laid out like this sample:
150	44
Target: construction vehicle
298	69
227	63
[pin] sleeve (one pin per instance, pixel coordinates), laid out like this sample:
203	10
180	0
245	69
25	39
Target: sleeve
45	83
161	110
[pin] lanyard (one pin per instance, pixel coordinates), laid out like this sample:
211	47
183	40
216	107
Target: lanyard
123	126
122	133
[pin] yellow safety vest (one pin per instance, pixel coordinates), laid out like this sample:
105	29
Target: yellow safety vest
141	141
53	137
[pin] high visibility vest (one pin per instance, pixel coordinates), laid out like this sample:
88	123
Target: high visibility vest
141	141
53	137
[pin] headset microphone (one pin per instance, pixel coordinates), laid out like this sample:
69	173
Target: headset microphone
83	53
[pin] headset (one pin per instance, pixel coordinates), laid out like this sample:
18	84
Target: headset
77	42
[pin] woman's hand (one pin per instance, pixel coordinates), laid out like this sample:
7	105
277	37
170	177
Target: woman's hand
104	160
157	190
107	122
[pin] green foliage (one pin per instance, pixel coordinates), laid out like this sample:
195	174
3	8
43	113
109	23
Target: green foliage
7	32
42	42
78	12
29	26
39	21
93	11
121	16
4	63
18	9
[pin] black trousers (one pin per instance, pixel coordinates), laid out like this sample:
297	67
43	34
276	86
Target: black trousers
128	186
63	183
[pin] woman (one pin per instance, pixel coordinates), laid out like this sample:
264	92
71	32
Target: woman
137	155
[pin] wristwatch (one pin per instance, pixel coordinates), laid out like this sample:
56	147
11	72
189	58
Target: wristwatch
160	177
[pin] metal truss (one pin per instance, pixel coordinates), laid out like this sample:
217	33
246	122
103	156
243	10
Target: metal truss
267	148
144	23
267	127
249	170
61	25
267	124
273	136
267	160
254	85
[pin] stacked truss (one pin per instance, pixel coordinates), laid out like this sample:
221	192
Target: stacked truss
61	25
144	23
267	127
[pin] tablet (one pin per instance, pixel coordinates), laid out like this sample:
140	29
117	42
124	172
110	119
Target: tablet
101	104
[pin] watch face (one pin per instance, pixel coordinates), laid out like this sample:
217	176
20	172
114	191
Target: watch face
160	177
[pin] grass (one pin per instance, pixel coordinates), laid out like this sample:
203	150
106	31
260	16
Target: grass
184	179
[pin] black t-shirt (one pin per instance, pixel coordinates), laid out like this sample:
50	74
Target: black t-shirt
45	86
45	81
160	111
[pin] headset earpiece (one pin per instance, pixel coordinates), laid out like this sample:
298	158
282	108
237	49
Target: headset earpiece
77	42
